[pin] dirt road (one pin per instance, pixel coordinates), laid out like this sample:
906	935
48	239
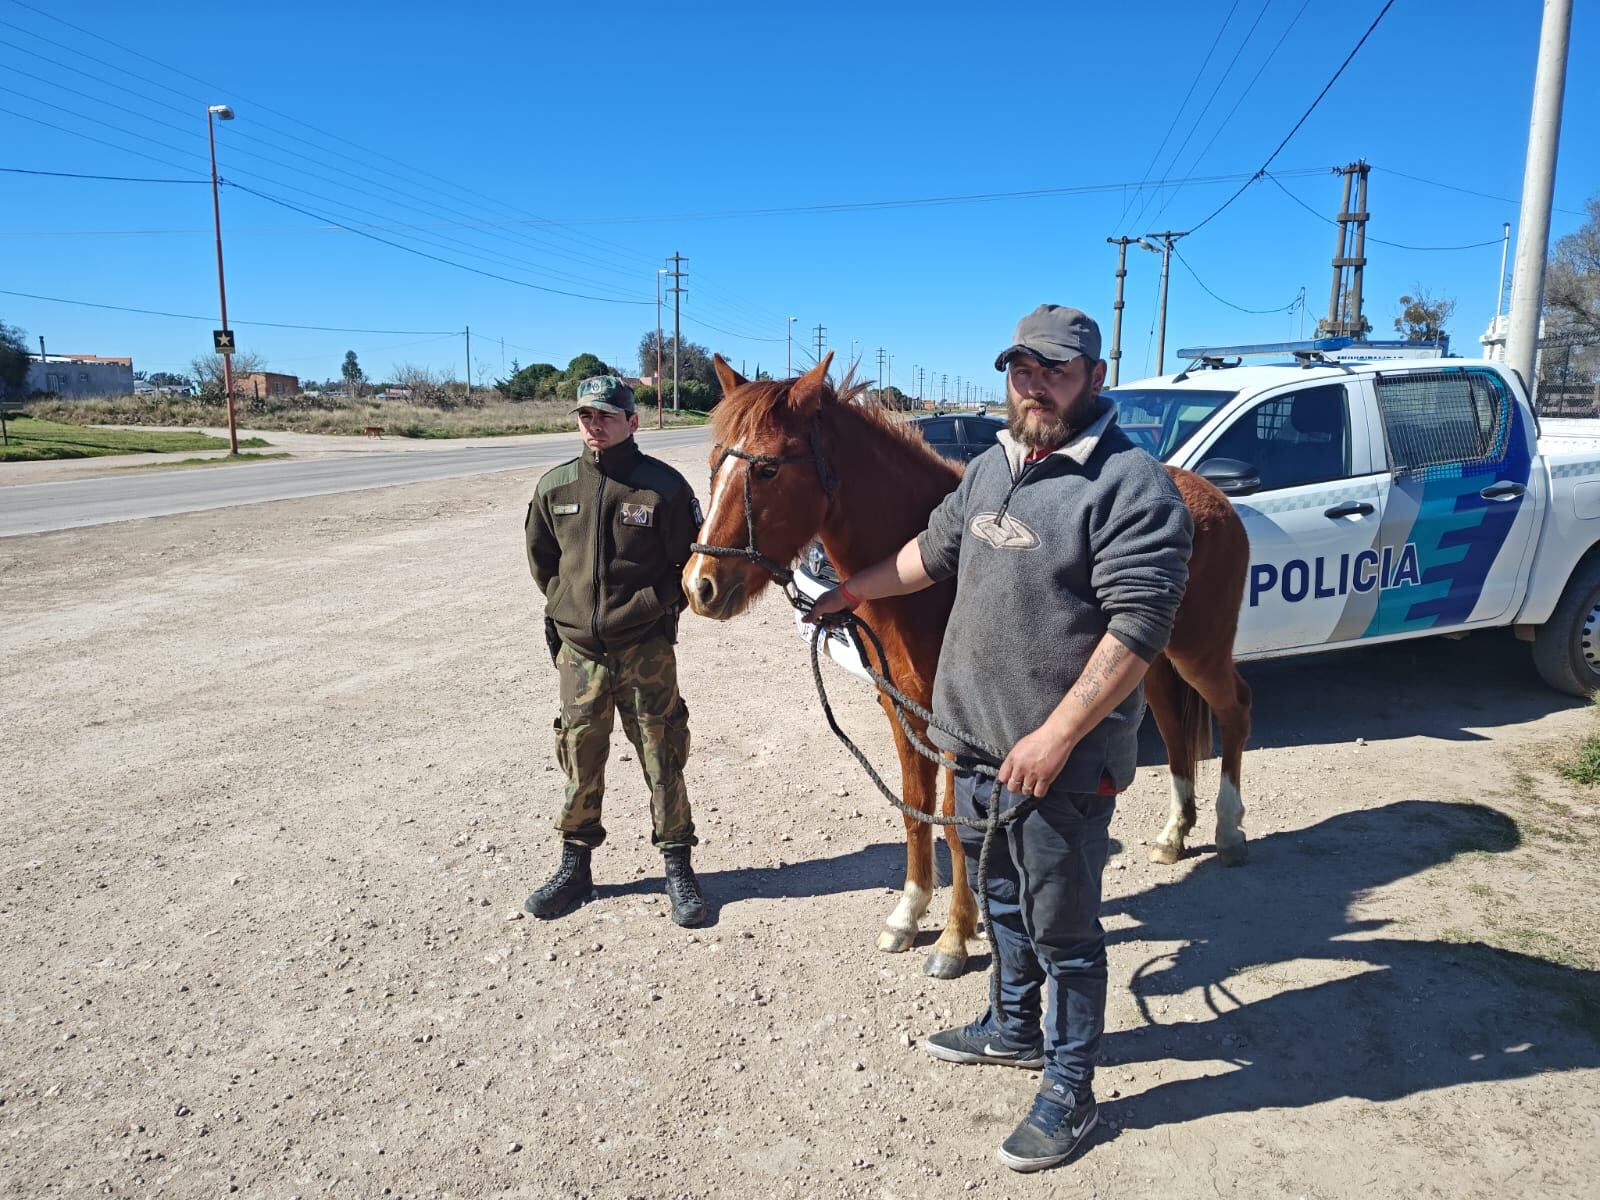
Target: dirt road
279	778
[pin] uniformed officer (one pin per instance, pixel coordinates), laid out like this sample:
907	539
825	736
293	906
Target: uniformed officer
608	534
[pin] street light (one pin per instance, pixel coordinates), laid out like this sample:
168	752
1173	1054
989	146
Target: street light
221	112
789	329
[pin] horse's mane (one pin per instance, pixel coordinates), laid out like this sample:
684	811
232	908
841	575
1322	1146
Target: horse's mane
754	407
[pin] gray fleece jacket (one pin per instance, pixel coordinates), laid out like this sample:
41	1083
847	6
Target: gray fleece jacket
1047	558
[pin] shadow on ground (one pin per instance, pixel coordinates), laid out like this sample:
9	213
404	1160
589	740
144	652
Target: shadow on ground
1406	1015
1430	687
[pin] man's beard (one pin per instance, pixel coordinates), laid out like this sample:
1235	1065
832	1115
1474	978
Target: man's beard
1043	428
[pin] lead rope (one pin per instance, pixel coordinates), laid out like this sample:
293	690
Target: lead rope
903	706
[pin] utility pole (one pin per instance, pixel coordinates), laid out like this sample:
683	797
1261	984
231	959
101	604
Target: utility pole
469	364
821	333
1349	252
1121	244
880	374
1167	239
1538	191
660	407
789	334
1500	295
889	376
677	291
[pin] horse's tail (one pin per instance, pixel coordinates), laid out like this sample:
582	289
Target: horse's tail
1194	720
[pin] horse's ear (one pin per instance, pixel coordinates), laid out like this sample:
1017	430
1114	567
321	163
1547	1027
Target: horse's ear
806	394
726	375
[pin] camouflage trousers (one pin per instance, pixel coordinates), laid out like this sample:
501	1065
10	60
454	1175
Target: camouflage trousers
640	682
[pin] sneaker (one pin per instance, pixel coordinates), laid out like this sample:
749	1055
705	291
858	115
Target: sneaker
979	1043
1051	1132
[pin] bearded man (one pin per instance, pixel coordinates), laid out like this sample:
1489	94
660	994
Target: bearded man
1070	550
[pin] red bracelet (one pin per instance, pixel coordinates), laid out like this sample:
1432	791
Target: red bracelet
855	600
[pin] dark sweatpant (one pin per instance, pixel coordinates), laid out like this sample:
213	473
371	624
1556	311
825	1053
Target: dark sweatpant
1044	900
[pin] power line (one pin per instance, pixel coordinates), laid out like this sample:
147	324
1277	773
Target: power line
1397	245
1572	212
1230	303
265	108
110	178
1205	61
1248	88
538	287
1305	116
153	312
1204	109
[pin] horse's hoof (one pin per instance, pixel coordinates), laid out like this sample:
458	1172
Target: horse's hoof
1234	855
946	966
1164	854
896	941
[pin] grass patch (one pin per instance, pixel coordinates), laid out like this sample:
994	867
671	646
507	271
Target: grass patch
224	461
34	439
482	417
1584	765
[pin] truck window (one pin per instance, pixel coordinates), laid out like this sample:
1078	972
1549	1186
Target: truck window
1298	438
1443	418
1160	420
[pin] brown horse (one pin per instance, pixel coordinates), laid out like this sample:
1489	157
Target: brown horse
866	483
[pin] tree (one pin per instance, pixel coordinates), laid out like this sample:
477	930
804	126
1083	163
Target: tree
579	369
352	373
1422	315
530	382
425	385
13	358
1572	289
694	361
168	379
207	370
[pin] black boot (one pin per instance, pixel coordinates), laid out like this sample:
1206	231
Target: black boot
569	887
688	905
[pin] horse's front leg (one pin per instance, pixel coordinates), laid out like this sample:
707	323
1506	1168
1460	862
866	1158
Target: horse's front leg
949	955
918	778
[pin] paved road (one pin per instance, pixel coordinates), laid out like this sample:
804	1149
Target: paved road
34	508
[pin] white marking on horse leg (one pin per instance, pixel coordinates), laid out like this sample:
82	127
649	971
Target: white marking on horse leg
1230	822
719	488
900	929
1169	846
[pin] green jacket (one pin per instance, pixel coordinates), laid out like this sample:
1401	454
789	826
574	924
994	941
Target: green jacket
608	536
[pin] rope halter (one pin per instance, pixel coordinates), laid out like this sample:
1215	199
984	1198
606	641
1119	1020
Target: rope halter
830	484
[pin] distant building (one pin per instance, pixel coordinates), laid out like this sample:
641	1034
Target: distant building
265	383
80	376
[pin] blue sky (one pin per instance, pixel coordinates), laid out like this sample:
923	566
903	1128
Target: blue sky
462	130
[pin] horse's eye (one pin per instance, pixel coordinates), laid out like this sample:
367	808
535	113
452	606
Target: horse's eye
766	471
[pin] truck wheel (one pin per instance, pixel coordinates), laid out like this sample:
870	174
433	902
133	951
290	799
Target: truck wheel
1566	648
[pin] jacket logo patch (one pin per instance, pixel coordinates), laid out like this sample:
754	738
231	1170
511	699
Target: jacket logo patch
563	510
638	514
1003	532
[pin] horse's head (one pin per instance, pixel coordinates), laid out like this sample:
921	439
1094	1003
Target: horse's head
769	486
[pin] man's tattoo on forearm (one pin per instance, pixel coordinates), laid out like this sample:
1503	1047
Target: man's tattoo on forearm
1102	666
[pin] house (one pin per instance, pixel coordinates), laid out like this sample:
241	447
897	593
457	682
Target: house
265	383
79	376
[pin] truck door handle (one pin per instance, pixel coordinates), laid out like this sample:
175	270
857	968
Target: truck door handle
1503	491
1350	508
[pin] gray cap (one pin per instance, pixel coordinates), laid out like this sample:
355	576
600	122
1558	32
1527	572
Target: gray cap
606	393
1054	333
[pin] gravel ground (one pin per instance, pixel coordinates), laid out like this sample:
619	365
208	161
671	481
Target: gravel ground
280	777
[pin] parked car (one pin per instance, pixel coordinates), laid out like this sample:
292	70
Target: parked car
960	437
1387	500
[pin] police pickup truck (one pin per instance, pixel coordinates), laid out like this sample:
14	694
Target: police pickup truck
1384	499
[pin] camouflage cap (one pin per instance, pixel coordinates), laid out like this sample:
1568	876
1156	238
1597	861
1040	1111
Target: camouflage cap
605	393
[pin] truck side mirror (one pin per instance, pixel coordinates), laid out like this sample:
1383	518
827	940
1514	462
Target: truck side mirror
1230	476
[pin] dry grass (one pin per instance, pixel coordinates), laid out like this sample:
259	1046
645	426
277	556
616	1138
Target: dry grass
335	415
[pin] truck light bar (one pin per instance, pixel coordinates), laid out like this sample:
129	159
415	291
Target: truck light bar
1313	346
